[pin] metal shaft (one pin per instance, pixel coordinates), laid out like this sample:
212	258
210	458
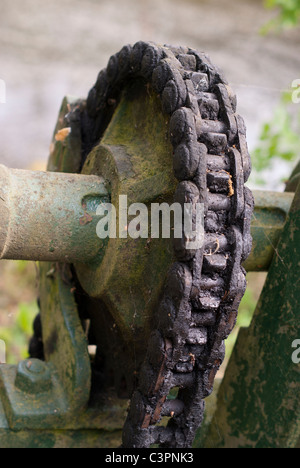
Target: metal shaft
49	216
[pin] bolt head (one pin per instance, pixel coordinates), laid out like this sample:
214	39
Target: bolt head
33	376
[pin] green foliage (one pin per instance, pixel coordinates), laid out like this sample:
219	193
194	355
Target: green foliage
17	337
21	266
280	138
288	16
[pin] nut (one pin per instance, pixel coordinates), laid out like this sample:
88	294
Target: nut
33	376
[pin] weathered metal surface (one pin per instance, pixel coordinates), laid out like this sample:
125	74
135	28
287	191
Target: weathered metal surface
66	146
91	439
258	401
52	398
50	216
268	219
33	376
74	417
135	159
294	180
67	390
85	435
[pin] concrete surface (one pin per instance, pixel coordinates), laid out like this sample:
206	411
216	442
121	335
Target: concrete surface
49	49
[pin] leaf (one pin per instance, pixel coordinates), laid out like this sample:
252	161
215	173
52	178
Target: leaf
279	138
288	15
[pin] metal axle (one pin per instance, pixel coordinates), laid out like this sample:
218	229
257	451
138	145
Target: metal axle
51	216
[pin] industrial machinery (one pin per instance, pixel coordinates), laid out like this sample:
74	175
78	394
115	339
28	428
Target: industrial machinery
144	318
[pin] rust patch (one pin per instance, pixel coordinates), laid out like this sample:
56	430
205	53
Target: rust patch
230	187
85	219
211	377
161	375
63	134
232	320
146	421
158	410
193	358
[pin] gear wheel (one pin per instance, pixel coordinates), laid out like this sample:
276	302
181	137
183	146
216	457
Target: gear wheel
204	286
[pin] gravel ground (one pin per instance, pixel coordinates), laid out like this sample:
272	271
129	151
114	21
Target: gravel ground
49	49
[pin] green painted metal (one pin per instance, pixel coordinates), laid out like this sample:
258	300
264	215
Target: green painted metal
68	391
50	216
65	151
81	437
135	159
258	401
294	180
64	416
33	377
269	217
52	399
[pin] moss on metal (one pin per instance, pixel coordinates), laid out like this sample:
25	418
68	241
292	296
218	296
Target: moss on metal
135	159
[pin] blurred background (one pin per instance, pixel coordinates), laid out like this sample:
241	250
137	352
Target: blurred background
50	49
